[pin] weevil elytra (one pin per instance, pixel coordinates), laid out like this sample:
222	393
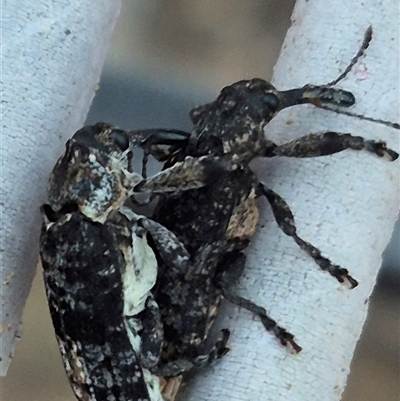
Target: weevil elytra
216	222
84	268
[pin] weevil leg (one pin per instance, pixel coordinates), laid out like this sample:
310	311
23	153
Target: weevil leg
217	351
189	174
328	143
285	219
148	139
233	267
160	154
179	366
157	136
170	248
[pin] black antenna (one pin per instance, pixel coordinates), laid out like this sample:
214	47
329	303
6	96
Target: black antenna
361	51
364	46
361	117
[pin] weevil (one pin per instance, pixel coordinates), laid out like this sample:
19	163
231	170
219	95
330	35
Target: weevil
216	222
99	269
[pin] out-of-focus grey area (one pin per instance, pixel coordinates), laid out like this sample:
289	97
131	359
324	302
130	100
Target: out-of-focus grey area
167	57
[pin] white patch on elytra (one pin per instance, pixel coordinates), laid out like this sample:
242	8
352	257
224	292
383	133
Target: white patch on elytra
138	278
140	275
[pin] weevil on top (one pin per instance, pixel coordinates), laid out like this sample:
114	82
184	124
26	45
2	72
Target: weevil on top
216	222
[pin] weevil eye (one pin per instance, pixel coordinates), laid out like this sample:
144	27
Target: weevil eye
120	138
271	101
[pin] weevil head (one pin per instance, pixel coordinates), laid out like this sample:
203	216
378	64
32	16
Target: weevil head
255	98
94	172
233	123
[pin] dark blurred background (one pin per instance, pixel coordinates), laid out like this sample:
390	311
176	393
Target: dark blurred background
165	58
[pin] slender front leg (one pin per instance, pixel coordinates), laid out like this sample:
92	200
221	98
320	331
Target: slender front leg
328	143
285	219
189	174
171	249
157	136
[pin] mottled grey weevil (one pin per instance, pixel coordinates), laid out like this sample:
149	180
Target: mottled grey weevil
99	269
217	221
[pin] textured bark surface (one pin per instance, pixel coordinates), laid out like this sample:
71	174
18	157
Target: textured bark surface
344	204
52	54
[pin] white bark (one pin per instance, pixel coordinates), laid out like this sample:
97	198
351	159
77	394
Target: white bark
345	204
52	54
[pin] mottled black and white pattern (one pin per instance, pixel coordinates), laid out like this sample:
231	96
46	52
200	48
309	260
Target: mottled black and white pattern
216	221
119	334
83	270
99	269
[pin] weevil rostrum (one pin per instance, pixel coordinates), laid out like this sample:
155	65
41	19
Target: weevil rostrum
216	222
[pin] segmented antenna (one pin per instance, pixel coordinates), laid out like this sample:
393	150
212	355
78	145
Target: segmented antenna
361	51
364	46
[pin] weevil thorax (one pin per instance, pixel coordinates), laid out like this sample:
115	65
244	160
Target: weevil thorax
233	124
94	172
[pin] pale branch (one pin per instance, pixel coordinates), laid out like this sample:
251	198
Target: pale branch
52	55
